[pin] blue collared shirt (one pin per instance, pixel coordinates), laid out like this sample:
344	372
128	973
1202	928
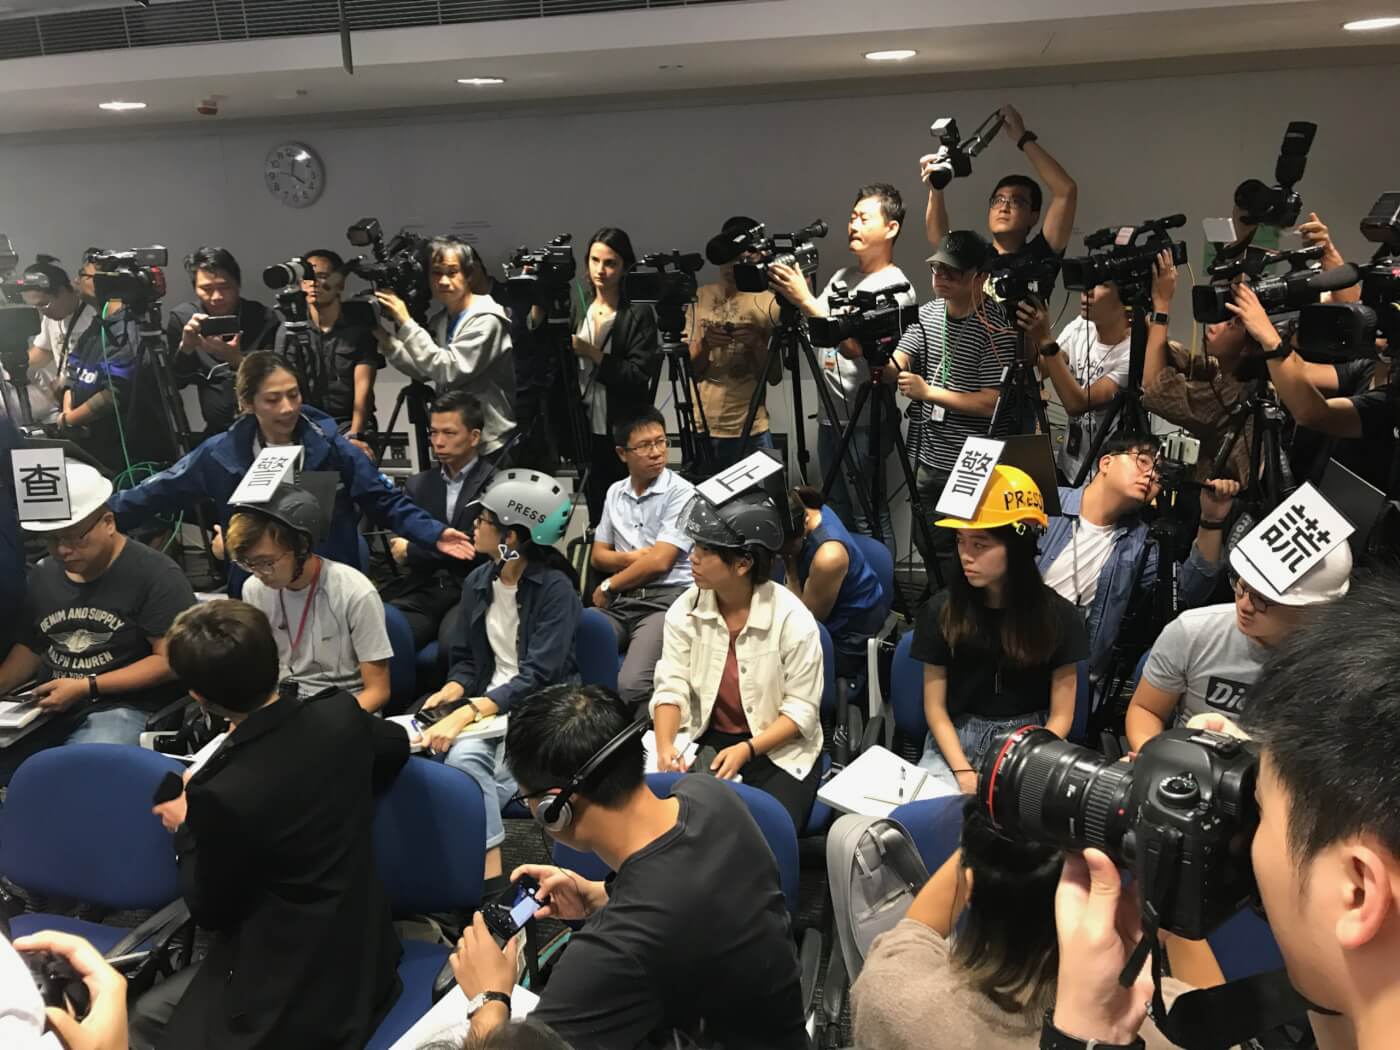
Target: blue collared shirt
631	522
454	484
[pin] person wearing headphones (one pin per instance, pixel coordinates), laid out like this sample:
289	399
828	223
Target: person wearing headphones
741	659
514	633
998	646
688	939
327	617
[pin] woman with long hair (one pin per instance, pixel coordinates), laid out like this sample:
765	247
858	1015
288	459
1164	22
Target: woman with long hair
999	647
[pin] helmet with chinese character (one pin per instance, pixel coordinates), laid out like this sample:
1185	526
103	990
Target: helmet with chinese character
529	500
748	521
88	492
1327	581
1010	498
293	507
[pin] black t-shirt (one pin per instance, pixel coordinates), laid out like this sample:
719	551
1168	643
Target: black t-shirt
106	624
980	681
217	401
340	350
1378	415
695	927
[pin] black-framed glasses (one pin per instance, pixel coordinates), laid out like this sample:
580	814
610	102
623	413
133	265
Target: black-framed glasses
261	566
656	445
1014	203
1244	590
72	537
947	272
1147	462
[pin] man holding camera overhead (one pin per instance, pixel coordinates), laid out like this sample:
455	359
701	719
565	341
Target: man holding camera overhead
1017	200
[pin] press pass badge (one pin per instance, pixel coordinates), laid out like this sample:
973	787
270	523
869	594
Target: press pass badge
963	493
272	467
41	484
749	472
1301	531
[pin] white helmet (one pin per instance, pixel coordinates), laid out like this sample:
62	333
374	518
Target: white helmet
1326	581
531	500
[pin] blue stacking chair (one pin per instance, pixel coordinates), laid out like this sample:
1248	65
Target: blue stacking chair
819	819
1244	946
403	671
596	650
362	552
430	850
935	825
881	562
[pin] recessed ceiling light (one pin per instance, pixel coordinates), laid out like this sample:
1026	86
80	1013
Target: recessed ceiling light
116	106
890	56
1362	25
480	81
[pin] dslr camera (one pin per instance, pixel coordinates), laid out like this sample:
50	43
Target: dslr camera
400	266
1342	331
786	249
1181	816
541	276
1115	254
667	281
1280	204
136	277
875	319
955	155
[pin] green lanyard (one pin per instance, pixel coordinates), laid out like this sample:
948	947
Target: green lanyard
943	348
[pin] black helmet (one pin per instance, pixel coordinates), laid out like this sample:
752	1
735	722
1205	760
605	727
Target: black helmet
748	521
294	507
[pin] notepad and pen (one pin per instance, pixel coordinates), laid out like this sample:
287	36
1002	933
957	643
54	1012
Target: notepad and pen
878	781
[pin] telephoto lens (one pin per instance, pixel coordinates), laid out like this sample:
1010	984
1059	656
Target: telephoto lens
1181	816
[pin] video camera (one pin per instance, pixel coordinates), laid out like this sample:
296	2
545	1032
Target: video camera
786	249
956	155
135	277
1024	278
1348	330
293	271
666	280
541	276
1279	205
875	319
1181	815
1115	255
400	266
1303	284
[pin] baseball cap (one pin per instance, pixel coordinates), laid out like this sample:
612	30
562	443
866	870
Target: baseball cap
962	250
87	491
1326	581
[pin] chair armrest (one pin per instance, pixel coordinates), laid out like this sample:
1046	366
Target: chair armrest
875	700
172	708
809	955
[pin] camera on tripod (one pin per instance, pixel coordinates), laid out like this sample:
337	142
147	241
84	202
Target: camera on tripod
1279	205
135	277
1181	815
541	276
1302	285
875	319
1116	255
1023	279
786	249
1343	331
666	280
400	266
955	155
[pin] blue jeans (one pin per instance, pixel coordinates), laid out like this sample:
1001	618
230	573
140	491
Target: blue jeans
976	736
484	762
115	725
725	451
849	508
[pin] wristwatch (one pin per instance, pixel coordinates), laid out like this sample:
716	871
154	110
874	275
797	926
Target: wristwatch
1157	317
1049	349
606	586
92	687
1026	138
1278	353
475	710
476	1002
1051	1038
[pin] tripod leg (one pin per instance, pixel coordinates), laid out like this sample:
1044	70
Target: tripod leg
922	516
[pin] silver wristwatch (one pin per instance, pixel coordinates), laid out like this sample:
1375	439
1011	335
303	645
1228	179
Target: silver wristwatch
476	1002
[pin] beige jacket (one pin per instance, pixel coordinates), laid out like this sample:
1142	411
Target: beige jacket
780	668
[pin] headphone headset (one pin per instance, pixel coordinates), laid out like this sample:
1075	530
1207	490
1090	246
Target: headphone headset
558	813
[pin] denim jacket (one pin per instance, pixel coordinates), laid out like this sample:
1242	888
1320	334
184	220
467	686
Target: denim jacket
1131	567
549	615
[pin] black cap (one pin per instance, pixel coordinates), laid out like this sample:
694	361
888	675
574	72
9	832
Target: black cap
963	250
727	245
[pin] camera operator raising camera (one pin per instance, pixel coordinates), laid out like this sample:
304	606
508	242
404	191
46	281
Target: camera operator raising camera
465	343
63	315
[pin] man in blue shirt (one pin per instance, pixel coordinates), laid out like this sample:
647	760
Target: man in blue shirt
640	546
1097	553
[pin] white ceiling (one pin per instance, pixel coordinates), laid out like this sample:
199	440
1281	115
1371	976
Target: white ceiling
786	46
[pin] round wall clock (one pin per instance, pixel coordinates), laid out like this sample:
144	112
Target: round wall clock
294	174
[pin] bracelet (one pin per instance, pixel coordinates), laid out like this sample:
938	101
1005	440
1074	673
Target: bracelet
1026	138
753	753
955	772
1211	525
1158	317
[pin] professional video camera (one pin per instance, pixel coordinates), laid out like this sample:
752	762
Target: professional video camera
786	249
400	266
666	280
955	155
875	319
135	277
1115	255
1279	205
1348	330
1303	284
1181	815
1023	278
541	276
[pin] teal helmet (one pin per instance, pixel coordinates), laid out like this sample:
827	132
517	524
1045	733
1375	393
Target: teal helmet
529	500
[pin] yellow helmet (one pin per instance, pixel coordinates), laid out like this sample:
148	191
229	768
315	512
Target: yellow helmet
1010	497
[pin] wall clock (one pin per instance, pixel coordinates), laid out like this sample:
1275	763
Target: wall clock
294	174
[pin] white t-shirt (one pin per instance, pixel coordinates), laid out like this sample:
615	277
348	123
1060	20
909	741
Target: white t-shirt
595	395
503	632
1089	360
1074	575
844	376
45	394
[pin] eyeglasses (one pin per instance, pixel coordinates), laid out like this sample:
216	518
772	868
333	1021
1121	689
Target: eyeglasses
261	566
1144	461
1014	203
73	537
1244	590
658	445
948	273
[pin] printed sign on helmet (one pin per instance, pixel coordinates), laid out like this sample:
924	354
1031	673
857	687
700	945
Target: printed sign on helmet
963	493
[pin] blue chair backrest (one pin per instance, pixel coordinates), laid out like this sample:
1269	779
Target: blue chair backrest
778	574
77	824
403	670
828	671
362	550
1244	946
907	693
596	650
935	825
1083	702
430	839
767	812
881	562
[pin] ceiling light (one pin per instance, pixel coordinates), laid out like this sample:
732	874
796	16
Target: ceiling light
480	81
1362	25
117	106
890	56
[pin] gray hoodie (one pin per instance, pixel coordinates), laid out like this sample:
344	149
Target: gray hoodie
475	357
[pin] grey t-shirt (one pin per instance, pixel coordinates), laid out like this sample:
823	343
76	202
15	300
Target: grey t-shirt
1203	656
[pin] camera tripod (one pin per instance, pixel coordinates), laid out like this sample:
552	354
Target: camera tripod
1126	414
295	315
16	365
1020	408
1270	478
697	459
419	397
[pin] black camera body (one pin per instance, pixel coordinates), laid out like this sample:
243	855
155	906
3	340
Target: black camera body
786	249
1117	255
666	280
59	985
1343	331
1278	293
1181	816
541	276
875	319
955	161
400	266
18	327
136	277
1279	205
1024	279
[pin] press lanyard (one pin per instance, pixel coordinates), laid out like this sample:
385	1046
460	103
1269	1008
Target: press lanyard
305	612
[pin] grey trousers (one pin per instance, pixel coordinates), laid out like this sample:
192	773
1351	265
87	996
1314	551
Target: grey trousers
639	619
152	1012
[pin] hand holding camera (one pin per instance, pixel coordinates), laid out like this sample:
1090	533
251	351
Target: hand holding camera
61	960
